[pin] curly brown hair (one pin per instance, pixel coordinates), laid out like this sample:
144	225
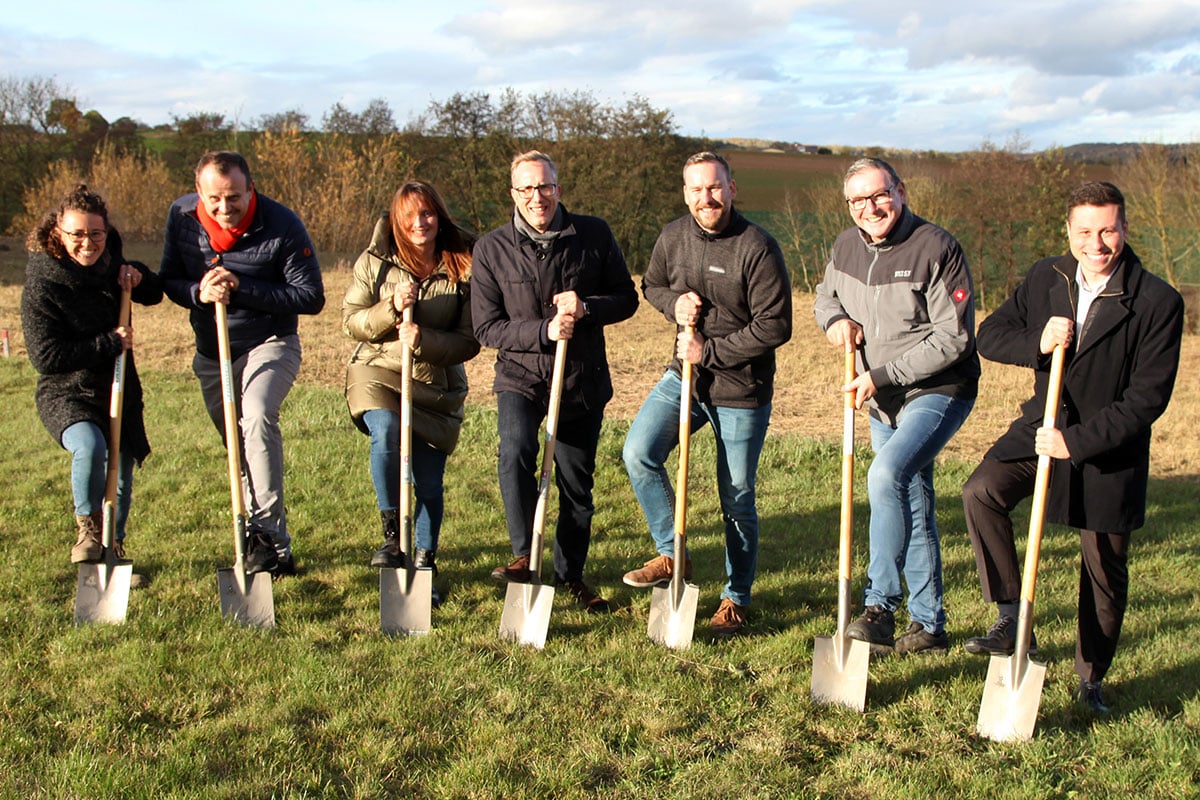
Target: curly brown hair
44	236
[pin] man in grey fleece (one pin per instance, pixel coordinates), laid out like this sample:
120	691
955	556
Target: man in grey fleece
899	290
722	280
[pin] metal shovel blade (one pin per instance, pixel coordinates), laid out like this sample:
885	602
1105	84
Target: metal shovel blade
526	616
249	602
840	666
673	619
405	601
102	592
1010	703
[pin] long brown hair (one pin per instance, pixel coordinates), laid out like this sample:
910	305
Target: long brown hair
43	237
452	245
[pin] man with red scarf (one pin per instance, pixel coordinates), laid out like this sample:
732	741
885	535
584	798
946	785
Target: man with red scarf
226	243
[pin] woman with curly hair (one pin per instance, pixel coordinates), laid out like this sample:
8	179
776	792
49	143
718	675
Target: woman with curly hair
69	312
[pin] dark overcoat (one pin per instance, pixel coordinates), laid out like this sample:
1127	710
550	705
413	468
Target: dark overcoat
1120	371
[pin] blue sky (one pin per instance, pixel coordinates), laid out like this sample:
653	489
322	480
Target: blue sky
920	75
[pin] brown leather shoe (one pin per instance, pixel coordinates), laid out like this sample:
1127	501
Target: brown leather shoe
656	572
516	572
729	619
87	548
585	598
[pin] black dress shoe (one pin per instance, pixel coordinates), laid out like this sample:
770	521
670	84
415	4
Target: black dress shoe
1089	695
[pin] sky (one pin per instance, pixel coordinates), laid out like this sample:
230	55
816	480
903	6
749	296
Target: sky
926	74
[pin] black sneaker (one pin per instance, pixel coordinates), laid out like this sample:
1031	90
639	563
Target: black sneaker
284	566
585	598
260	552
1000	639
1089	695
877	626
918	640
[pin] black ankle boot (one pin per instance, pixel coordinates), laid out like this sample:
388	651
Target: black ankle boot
389	555
426	559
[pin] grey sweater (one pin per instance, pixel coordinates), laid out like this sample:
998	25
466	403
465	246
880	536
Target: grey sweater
913	296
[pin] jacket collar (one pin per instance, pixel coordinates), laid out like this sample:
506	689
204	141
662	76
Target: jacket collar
1111	307
900	231
737	224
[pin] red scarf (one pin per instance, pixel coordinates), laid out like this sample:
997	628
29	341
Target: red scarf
220	238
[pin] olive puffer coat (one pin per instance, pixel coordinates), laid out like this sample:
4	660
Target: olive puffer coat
69	317
443	312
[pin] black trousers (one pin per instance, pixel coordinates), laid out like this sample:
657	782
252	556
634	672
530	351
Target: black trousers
989	496
519	465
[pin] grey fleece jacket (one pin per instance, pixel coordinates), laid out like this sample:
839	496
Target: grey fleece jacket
913	296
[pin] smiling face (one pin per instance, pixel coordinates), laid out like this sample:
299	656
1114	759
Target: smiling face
536	179
709	193
82	236
883	202
1097	236
226	198
420	225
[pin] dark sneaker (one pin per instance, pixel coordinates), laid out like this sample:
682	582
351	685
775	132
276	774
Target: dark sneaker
136	580
585	598
260	553
918	640
1000	639
1089	695
656	572
729	619
876	626
516	572
284	566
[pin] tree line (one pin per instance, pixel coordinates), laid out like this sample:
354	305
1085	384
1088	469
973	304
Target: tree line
618	161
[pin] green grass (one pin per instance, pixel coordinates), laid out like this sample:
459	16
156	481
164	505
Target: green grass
177	703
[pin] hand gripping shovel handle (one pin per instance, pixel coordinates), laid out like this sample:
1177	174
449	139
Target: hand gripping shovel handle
116	410
846	527
681	477
233	440
1037	514
539	513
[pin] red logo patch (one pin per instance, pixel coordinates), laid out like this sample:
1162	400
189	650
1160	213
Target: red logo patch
960	295
308	252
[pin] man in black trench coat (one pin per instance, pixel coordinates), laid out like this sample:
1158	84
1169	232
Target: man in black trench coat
1121	327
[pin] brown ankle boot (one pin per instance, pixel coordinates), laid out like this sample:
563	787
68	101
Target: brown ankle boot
88	547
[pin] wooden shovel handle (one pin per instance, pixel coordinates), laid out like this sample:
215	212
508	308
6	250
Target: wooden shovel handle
847	511
1037	513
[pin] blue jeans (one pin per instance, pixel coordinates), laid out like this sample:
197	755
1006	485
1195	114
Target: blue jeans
740	433
519	426
904	535
89	472
428	466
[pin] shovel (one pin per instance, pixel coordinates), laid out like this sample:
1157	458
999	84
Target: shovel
246	599
405	593
839	662
102	590
673	607
526	616
1013	690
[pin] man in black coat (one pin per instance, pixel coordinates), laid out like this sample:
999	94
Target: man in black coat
1121	327
545	276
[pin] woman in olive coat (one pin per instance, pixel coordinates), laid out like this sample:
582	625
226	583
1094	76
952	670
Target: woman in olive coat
419	258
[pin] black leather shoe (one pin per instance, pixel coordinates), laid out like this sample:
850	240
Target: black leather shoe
260	552
1000	639
918	640
1089	695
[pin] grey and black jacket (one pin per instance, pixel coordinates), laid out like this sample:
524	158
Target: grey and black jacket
913	296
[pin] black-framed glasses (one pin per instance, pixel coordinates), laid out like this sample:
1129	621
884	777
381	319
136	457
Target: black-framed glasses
96	236
880	198
544	189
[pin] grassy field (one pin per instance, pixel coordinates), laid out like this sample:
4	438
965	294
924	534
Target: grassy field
178	704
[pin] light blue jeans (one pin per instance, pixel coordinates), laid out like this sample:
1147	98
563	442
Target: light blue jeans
904	537
740	433
89	472
428	469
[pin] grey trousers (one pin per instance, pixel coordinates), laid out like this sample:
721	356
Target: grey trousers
262	379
